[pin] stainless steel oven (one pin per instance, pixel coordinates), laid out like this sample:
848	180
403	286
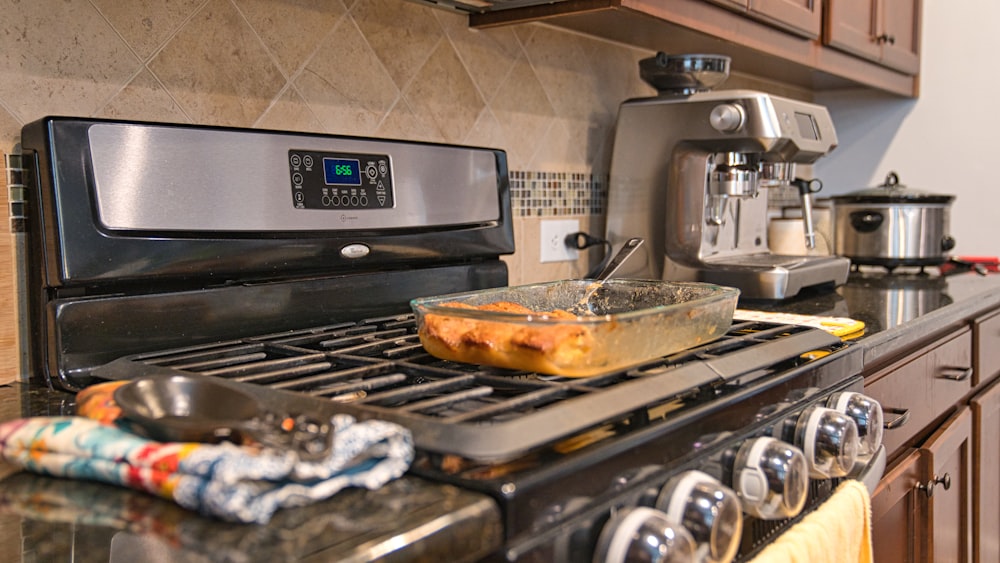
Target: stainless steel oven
284	262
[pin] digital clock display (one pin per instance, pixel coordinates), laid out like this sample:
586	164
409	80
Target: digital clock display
341	172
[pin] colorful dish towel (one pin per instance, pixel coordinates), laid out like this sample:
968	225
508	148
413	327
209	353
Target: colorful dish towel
839	531
226	481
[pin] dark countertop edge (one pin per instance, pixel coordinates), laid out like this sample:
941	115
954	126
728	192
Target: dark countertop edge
883	346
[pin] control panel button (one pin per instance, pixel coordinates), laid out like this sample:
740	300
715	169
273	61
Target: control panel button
340	180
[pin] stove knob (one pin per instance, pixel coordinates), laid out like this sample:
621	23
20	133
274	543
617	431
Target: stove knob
771	477
707	509
643	534
866	414
829	439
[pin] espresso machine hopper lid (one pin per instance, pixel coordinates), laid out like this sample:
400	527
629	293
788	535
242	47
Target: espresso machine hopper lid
684	74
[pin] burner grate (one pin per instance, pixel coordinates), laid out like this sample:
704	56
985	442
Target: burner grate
377	368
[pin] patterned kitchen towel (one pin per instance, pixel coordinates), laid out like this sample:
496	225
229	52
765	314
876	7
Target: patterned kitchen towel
226	481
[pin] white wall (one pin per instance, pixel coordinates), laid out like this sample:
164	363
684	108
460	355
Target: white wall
948	140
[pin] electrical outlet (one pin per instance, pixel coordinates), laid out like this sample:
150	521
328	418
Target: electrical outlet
553	240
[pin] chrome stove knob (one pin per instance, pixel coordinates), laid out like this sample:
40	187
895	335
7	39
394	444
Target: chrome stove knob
867	414
829	439
643	534
708	510
771	477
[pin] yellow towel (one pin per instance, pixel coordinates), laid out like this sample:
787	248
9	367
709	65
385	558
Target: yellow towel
839	531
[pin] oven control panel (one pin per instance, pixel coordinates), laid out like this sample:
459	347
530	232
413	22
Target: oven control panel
340	180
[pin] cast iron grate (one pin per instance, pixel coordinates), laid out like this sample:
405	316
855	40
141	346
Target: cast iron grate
376	368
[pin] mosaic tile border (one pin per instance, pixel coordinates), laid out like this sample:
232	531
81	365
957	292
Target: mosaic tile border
553	194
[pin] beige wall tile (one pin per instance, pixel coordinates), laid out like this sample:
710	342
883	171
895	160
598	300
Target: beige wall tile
345	84
392	68
559	60
143	99
10	132
486	131
403	122
402	34
147	24
524	113
290	113
292	30
217	68
443	92
488	54
564	147
59	57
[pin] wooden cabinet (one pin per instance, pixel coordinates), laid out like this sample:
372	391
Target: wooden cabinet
883	31
986	349
986	474
940	497
780	40
898	513
922	507
802	17
928	384
946	485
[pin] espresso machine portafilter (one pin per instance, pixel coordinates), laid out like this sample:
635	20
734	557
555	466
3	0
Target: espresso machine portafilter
687	172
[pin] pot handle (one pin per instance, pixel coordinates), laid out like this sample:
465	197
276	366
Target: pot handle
947	243
866	221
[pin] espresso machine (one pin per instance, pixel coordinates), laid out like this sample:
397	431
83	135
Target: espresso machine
686	175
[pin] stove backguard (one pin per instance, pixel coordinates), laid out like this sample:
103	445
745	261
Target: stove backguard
141	236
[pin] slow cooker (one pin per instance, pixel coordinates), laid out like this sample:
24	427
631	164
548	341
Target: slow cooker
891	225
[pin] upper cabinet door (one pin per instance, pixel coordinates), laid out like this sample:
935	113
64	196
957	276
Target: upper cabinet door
803	17
884	31
900	37
852	26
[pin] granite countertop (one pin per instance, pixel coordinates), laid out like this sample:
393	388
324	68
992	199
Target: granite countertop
48	519
409	519
899	310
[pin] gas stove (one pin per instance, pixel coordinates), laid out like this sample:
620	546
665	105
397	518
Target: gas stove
284	263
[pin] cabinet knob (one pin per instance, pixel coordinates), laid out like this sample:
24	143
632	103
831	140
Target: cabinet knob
928	488
886	38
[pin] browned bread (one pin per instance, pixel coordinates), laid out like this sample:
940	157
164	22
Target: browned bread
559	349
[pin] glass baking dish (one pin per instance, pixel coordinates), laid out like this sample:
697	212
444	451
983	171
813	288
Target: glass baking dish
623	323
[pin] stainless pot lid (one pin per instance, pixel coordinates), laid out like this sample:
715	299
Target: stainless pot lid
892	192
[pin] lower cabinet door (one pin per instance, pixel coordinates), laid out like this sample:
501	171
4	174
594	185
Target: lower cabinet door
898	517
947	486
986	475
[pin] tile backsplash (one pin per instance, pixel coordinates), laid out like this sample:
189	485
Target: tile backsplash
384	68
